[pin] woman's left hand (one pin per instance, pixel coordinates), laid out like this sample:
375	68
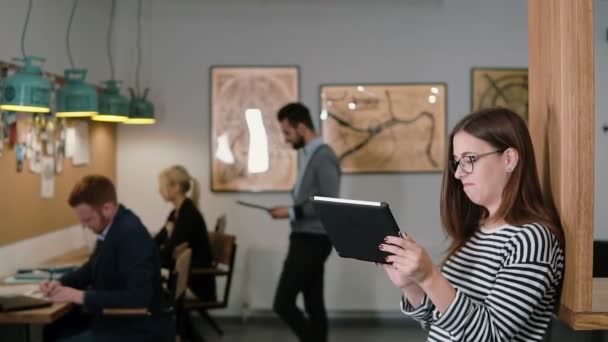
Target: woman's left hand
409	258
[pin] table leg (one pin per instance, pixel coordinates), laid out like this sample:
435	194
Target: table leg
27	337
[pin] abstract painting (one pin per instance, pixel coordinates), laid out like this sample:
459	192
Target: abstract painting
496	87
249	153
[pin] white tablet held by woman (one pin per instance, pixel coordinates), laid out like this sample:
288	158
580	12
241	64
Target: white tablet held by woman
356	228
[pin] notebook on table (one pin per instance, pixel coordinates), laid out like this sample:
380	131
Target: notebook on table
21	302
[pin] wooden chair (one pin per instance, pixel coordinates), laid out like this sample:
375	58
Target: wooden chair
220	224
165	273
179	284
223	248
179	249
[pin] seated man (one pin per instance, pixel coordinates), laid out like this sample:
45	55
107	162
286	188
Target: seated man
122	272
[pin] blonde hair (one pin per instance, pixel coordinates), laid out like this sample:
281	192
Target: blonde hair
178	174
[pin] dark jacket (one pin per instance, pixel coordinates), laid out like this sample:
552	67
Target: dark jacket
123	272
189	226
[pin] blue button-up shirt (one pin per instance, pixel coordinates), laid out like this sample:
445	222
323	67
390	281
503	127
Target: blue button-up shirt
309	151
103	234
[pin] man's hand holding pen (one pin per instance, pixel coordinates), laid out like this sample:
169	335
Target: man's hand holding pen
56	292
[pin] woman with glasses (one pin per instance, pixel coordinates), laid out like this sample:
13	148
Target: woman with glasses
501	278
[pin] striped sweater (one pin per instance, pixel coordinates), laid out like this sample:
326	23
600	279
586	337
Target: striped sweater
506	281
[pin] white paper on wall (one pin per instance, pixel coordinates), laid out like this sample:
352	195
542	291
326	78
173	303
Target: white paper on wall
59	156
48	177
35	157
70	141
81	144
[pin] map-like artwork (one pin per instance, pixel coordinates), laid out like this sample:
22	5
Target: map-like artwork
248	149
506	88
377	128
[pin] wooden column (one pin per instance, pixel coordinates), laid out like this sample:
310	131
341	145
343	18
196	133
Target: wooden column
562	112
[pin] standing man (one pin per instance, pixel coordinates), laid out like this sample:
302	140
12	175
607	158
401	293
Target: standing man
123	272
309	247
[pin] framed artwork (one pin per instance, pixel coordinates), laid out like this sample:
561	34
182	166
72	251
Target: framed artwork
249	153
500	87
386	128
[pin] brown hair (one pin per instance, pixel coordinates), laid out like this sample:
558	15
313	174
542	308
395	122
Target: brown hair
94	190
522	199
296	113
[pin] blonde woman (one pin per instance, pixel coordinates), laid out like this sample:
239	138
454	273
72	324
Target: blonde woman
185	223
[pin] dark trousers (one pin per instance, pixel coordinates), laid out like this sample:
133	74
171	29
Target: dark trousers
80	327
303	273
73	324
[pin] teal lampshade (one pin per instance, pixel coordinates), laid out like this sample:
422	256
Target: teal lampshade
113	107
76	98
141	111
27	90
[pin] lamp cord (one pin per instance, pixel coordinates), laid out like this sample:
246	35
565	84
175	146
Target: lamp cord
27	21
109	38
138	68
67	35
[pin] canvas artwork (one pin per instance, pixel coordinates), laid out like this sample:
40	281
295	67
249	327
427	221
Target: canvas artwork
248	149
385	128
500	87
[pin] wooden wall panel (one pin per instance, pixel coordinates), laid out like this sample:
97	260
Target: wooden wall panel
562	112
23	213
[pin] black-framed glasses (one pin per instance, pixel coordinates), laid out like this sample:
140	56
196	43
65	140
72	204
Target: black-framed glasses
467	163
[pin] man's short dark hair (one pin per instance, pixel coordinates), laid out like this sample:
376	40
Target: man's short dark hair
296	113
94	190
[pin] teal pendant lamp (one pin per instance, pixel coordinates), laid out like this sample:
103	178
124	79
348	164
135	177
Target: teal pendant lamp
75	99
113	107
141	111
27	90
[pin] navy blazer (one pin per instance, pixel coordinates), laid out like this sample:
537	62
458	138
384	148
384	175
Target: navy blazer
122	272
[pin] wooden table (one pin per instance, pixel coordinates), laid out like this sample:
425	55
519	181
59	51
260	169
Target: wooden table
73	257
47	315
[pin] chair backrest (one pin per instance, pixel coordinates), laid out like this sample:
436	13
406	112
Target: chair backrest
179	249
182	272
220	224
223	248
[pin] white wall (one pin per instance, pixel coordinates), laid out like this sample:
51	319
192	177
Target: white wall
332	41
46	38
